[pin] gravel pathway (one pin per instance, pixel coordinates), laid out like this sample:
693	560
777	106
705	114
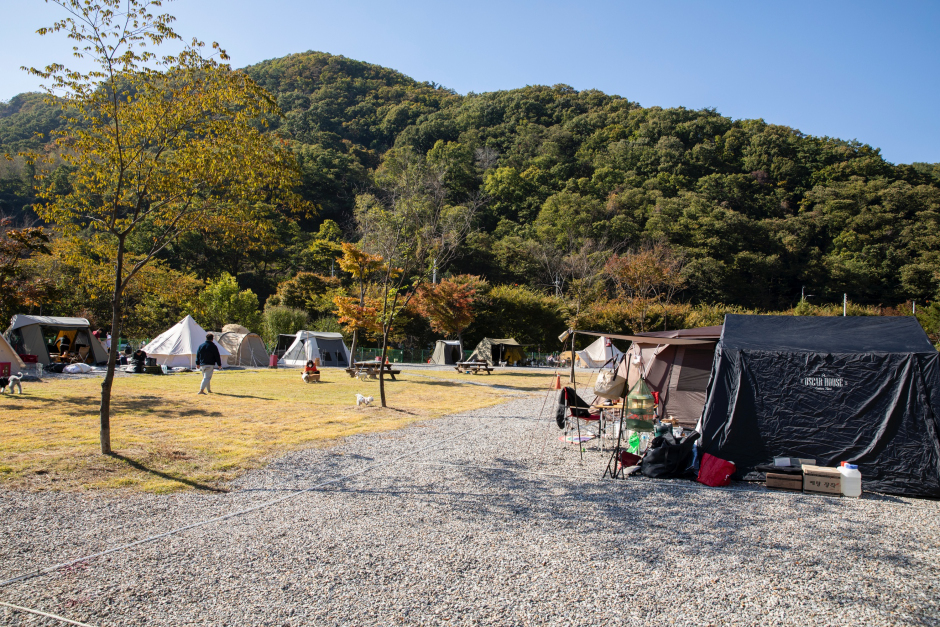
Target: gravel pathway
496	523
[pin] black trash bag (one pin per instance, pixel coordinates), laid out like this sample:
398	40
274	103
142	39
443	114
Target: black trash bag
669	458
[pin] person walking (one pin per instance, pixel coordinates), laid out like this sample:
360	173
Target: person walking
207	358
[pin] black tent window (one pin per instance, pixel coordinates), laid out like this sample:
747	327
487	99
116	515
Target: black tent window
326	356
696	367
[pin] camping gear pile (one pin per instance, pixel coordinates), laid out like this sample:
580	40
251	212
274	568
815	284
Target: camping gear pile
862	391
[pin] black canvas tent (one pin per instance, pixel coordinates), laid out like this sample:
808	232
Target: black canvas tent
864	390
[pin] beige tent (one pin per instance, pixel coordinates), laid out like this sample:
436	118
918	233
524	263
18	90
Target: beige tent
247	349
9	356
677	364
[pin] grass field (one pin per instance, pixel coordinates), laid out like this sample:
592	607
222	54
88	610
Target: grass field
165	437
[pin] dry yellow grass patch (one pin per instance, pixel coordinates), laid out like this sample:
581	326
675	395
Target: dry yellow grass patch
166	437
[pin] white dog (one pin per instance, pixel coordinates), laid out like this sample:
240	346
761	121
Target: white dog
363	401
14	382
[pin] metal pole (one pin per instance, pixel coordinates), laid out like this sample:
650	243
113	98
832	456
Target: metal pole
845	301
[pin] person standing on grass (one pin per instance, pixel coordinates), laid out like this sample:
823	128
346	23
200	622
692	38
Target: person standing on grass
207	358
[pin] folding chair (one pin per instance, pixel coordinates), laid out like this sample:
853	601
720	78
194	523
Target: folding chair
580	411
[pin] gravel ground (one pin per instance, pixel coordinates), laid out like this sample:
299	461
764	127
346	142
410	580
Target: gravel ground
478	519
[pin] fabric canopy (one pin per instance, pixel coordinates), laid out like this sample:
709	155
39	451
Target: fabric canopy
864	390
176	347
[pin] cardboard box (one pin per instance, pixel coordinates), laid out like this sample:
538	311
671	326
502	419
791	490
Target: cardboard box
780	481
820	480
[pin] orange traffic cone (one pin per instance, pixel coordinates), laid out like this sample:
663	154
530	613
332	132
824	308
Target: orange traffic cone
557	384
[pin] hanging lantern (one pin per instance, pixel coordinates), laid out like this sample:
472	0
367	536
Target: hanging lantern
640	401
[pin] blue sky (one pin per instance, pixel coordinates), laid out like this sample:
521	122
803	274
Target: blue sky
856	70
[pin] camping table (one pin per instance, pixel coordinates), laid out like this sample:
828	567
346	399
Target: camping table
372	369
473	366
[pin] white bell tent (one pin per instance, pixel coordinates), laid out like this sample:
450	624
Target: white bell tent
176	347
311	345
599	354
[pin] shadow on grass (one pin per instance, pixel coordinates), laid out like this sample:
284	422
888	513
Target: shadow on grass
163	475
145	405
260	398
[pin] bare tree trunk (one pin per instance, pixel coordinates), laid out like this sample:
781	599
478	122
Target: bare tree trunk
382	365
105	412
352	351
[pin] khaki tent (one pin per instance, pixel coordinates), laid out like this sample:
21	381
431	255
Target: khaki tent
676	364
43	336
9	356
494	351
447	352
247	349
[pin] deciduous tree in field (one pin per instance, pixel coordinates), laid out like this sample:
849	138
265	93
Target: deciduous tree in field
164	144
413	227
353	311
448	305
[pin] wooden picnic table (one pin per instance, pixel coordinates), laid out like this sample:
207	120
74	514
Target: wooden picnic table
371	369
473	366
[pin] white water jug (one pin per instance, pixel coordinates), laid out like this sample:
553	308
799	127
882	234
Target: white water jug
851	480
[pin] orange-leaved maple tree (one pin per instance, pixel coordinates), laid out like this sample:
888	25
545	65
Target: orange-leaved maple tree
448	305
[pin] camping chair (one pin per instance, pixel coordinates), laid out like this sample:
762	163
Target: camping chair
580	411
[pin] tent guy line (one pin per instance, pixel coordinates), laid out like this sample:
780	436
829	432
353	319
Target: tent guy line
241	512
61	619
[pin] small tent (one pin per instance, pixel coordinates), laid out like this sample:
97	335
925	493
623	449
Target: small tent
599	354
310	345
176	347
247	349
864	390
45	335
9	356
447	352
494	351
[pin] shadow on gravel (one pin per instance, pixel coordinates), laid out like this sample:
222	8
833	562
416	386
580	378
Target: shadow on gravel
164	475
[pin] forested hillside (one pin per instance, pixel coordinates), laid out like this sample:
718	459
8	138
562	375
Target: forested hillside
751	212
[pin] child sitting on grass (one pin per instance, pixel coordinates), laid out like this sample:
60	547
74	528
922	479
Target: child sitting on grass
310	372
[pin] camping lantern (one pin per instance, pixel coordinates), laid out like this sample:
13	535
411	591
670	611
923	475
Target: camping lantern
640	400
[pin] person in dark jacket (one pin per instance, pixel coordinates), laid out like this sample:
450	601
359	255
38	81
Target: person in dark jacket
139	360
207	358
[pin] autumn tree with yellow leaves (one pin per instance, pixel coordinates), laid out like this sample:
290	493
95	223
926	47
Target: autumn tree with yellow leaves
162	144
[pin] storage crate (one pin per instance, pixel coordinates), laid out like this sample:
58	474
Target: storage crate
822	480
780	481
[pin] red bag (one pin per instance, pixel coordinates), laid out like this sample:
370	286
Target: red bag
715	472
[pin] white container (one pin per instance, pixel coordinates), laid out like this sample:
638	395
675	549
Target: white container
851	480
